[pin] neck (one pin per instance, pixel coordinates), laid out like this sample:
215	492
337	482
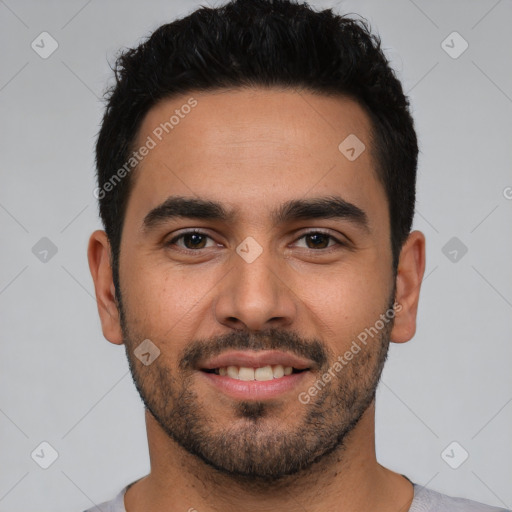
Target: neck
349	479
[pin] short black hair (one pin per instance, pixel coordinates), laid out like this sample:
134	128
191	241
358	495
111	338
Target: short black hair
259	43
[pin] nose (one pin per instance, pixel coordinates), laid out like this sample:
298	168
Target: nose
255	296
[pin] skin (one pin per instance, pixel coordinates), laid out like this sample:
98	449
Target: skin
252	150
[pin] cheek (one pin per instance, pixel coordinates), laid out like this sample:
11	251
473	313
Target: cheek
343	303
161	297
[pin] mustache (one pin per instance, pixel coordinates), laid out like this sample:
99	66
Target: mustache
270	339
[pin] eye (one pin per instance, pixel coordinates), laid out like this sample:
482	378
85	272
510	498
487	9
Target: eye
195	240
319	240
192	240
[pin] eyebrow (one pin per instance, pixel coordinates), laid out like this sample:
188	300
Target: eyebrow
330	207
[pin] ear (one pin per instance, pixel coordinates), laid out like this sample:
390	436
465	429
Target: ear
411	268
98	254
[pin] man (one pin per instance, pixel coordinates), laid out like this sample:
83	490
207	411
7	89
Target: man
256	178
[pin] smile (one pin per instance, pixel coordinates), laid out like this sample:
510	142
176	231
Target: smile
261	374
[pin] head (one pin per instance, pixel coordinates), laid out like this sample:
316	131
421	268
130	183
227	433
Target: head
232	121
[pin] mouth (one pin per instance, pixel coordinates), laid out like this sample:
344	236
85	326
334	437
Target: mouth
260	374
249	375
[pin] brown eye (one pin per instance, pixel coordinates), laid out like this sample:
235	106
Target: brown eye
190	241
319	240
194	241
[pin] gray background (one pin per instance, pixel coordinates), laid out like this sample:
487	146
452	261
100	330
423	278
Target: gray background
63	383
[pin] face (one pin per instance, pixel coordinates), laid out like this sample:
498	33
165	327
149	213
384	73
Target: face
290	253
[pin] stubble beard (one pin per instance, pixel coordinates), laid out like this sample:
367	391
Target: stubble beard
254	449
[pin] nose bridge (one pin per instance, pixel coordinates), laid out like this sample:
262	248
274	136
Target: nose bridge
254	293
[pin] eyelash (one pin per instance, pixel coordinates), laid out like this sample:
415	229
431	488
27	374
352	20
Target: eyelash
198	232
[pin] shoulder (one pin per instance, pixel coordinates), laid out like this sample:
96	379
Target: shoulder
427	500
114	505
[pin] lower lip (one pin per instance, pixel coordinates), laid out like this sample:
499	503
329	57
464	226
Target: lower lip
253	389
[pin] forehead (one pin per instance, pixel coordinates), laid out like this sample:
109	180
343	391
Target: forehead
253	148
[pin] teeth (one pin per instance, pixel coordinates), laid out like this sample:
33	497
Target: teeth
246	373
260	374
232	372
278	371
264	373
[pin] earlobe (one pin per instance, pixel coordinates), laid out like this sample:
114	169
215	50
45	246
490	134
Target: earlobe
98	254
411	268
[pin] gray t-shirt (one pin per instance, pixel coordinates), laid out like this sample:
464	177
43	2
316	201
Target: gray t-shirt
425	500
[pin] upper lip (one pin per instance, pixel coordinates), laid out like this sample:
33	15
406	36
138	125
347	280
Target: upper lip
251	359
